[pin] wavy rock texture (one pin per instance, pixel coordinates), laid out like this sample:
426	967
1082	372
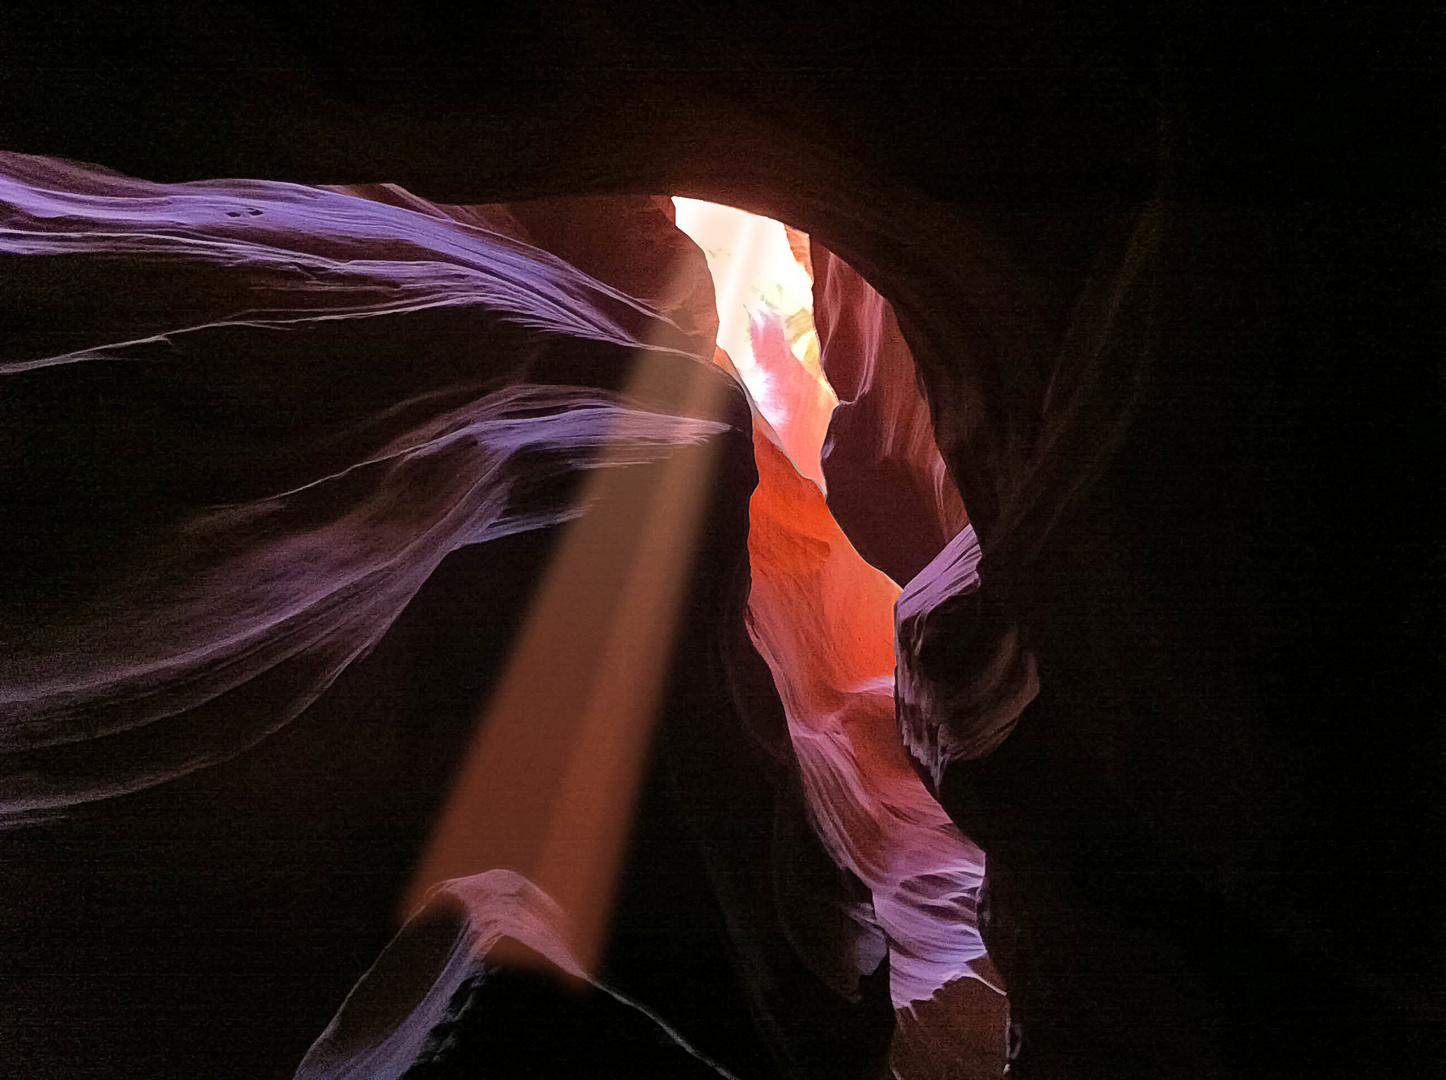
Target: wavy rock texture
823	619
252	384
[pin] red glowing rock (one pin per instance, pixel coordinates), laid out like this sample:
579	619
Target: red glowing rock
823	619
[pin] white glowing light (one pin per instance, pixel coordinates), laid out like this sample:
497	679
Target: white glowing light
758	277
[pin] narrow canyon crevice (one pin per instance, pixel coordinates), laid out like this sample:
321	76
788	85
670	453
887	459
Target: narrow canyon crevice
305	407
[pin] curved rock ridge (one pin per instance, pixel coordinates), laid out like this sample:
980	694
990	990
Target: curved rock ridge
382	1025
284	407
403	1017
958	690
283	428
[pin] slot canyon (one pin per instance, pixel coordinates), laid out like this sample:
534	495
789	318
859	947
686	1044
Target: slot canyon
828	543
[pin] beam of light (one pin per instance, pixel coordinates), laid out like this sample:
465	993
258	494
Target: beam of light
549	785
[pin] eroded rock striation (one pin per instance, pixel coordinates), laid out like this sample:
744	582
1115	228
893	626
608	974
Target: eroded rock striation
249	420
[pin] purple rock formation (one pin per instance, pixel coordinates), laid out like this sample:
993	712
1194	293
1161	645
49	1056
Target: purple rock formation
286	407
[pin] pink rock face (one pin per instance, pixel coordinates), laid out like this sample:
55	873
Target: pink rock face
823	618
887	483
